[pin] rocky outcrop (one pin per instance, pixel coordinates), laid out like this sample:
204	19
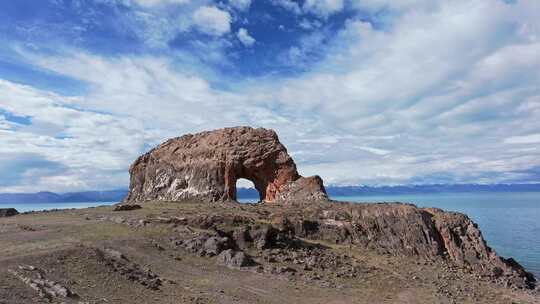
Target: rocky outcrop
462	241
5	212
404	229
234	259
306	188
36	280
206	166
130	207
132	271
298	233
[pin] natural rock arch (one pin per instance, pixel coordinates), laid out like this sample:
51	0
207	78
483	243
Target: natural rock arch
206	166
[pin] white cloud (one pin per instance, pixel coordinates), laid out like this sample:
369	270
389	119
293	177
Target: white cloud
323	8
439	92
245	38
309	25
149	3
85	146
439	79
402	5
525	139
288	5
212	20
375	151
241	4
327	140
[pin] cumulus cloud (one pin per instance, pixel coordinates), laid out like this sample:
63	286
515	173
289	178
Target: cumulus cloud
212	20
443	79
245	38
57	145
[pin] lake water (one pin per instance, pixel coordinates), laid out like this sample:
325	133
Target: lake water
24	207
510	222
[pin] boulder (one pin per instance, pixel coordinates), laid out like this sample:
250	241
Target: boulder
215	245
5	212
205	167
234	259
242	237
264	237
127	207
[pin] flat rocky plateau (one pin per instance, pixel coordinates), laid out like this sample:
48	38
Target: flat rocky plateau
238	253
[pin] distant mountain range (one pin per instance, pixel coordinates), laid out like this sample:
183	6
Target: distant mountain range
410	189
72	197
117	195
418	189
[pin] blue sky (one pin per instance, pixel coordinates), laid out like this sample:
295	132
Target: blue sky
375	92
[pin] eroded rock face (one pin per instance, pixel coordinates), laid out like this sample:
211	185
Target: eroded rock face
408	230
206	166
463	243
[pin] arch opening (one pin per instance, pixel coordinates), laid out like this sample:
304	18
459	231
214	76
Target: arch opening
246	191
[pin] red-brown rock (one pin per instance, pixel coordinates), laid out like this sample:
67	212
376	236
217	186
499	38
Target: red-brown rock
404	229
206	166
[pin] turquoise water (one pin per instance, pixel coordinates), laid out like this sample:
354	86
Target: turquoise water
24	207
510	222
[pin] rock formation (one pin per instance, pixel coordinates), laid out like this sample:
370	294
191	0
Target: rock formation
408	230
5	212
404	230
206	166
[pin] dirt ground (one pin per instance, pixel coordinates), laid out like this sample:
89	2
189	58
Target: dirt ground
102	256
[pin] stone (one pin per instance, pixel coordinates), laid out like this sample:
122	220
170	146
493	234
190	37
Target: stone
5	212
127	207
263	237
195	245
242	237
113	254
35	279
285	270
215	245
234	259
205	167
119	263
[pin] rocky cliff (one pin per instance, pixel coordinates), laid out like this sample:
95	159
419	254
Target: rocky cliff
404	229
206	166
